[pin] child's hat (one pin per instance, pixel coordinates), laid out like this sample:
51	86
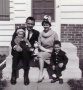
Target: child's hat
20	30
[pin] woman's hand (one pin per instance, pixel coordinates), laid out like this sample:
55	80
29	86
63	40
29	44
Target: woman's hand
36	44
31	49
61	65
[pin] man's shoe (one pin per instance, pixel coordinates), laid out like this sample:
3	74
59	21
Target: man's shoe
13	81
26	81
60	81
54	80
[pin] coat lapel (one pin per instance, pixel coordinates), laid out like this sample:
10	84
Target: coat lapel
32	35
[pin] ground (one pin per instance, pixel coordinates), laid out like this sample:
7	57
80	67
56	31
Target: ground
45	85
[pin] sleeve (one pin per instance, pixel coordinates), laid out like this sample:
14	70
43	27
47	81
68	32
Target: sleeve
39	42
65	59
37	35
39	39
12	41
55	36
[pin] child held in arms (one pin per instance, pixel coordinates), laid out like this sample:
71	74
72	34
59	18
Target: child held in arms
20	41
58	62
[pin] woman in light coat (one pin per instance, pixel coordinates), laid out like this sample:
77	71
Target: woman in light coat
46	40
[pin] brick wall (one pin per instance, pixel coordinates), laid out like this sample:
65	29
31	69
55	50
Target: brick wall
73	33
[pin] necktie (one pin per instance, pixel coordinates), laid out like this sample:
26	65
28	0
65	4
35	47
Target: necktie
28	35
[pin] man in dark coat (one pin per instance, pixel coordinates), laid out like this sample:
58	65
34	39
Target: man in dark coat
58	62
32	35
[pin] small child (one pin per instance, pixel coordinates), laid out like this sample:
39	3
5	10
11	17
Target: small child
35	48
20	41
58	62
35	52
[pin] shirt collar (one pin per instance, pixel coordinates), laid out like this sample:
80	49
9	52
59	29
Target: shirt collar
28	32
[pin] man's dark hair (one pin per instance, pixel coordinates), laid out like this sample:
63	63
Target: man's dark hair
57	42
30	18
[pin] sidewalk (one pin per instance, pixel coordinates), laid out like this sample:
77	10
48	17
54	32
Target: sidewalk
45	85
37	86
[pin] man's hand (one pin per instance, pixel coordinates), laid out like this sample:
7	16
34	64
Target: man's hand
15	47
61	65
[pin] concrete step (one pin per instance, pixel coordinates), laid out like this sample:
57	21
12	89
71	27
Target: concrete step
71	74
73	62
72	70
69	48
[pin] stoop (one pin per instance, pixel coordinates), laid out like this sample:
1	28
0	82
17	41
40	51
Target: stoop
72	70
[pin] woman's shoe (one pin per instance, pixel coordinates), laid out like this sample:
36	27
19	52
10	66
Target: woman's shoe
41	80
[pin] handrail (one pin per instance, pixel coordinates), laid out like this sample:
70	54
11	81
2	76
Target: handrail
2	63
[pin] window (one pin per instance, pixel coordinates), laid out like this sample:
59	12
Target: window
4	10
43	7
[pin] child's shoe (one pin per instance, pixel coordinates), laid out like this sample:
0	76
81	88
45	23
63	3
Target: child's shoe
60	80
54	80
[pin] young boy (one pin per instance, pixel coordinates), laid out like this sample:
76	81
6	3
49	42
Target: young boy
58	62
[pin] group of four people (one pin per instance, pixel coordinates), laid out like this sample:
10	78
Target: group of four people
49	50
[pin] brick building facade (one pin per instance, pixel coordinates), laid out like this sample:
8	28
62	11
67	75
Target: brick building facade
73	33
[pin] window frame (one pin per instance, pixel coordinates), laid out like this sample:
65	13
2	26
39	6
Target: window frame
53	9
5	11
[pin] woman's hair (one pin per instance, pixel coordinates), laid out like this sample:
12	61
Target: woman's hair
57	42
46	21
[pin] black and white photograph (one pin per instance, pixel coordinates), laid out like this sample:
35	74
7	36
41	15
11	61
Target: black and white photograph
41	44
